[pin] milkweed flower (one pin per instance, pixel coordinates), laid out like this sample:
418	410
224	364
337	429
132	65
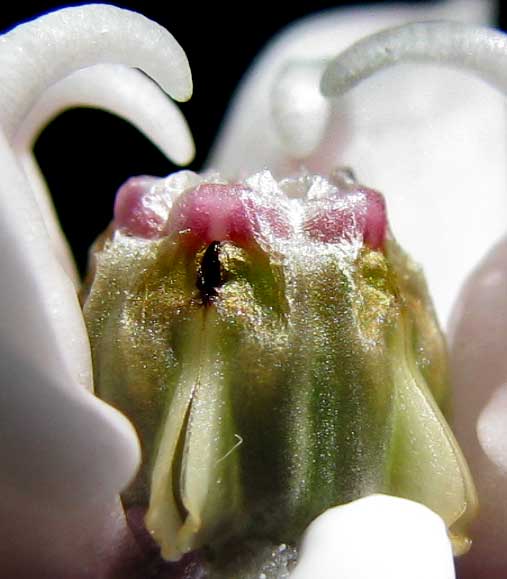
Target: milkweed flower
66	454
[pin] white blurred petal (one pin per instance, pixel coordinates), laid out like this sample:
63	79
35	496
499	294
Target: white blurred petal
118	90
249	141
38	53
299	110
478	338
378	536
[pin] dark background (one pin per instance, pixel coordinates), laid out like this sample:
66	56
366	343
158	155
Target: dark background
81	145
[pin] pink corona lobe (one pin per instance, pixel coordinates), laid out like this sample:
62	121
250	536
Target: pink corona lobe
217	212
241	214
356	214
140	208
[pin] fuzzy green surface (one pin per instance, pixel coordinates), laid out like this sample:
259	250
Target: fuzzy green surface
303	384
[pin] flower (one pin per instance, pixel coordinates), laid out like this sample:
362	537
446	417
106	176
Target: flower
43	339
274	348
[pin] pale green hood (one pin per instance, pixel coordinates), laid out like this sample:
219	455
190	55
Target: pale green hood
272	378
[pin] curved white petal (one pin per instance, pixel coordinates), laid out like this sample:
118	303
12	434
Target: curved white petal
482	51
59	445
42	197
64	454
478	339
40	310
377	536
45	358
120	91
38	53
249	140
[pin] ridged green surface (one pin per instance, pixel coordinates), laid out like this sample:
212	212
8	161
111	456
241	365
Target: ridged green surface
304	384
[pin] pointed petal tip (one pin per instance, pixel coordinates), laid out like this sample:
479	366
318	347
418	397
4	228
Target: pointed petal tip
119	90
186	90
186	154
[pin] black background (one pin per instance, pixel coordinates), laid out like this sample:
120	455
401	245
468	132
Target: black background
85	154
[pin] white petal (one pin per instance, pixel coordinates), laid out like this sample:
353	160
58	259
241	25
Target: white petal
64	454
479	364
123	92
40	312
42	196
249	141
60	446
299	109
118	90
58	441
440	164
36	54
378	536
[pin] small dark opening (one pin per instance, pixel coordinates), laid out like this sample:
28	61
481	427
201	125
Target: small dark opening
209	275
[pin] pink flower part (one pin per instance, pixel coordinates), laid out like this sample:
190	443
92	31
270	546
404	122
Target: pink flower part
218	212
140	209
358	214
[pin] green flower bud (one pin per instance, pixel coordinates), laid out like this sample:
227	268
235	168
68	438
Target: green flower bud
277	356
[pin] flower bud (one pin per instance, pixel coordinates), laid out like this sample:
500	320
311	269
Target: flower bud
278	355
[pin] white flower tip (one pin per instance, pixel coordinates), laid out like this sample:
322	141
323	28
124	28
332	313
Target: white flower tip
299	110
480	51
186	90
378	536
183	150
122	91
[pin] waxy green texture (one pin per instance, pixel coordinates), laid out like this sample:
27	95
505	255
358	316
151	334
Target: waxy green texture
312	374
